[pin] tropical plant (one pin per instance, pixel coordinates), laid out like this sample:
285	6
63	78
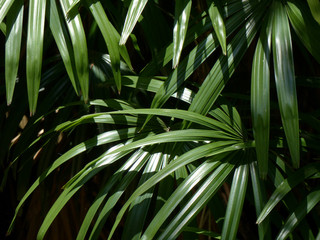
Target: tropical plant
184	126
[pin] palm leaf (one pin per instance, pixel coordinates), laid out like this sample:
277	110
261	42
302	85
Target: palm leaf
37	9
215	14
79	43
13	45
260	100
285	80
182	14
135	9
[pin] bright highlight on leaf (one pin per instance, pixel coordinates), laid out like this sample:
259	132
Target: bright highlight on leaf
171	156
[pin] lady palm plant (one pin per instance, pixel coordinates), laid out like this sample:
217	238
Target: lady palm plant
160	143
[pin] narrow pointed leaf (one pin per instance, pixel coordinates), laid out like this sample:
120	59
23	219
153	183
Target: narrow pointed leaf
286	186
301	211
194	59
235	202
206	150
285	80
135	9
260	197
110	36
79	43
260	92
13	45
225	66
80	148
182	14
140	154
5	5
37	9
307	29
218	24
138	159
314	6
198	175
61	37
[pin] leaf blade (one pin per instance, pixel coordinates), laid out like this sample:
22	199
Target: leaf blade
285	80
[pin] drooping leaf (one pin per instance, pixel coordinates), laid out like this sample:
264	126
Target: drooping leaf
5	5
37	9
285	80
110	36
135	9
79	43
216	16
13	46
260	100
235	202
307	29
61	37
286	187
307	204
314	6
182	14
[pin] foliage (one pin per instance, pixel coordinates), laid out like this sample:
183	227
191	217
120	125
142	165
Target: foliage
140	125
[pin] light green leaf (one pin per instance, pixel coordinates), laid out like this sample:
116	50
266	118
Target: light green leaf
217	169
132	168
61	37
5	5
80	148
215	14
285	80
314	6
79	43
307	29
37	9
194	154
225	66
13	46
135	9
110	36
181	19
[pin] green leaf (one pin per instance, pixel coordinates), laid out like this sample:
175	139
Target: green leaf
138	160
110	36
260	197
314	6
307	204
132	168
260	96
5	5
215	14
76	183
13	46
307	29
135	9
80	148
181	19
285	80
235	202
61	37
37	9
225	66
196	57
194	154
220	170
79	43
286	186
